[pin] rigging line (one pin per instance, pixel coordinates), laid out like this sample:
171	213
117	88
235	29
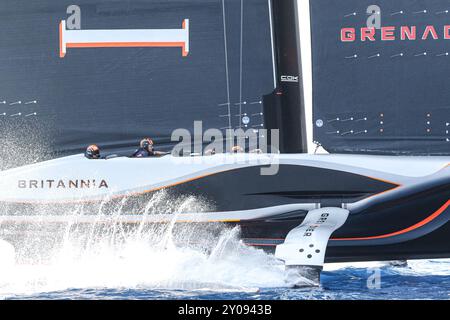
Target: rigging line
272	43
226	62
240	63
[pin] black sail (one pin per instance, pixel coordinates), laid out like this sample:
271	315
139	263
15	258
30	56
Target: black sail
386	95
113	96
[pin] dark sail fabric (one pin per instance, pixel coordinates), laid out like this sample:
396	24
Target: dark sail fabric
114	96
389	93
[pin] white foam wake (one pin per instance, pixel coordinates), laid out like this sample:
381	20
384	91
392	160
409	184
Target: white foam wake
137	263
153	257
49	258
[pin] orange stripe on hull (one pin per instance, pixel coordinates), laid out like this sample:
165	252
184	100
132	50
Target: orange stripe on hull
117	196
414	227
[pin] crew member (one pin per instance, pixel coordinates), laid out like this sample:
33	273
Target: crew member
237	149
92	152
146	150
210	152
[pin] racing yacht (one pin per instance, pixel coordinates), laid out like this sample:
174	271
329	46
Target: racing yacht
381	193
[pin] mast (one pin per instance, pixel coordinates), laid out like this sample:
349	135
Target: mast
284	108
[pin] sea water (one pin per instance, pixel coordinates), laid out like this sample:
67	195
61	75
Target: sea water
163	262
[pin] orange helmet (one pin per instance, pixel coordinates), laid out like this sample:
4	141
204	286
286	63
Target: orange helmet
93	151
146	142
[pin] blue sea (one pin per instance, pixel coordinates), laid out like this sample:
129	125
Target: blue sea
345	284
146	266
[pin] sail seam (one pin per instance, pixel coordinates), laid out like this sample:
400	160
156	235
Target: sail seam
226	63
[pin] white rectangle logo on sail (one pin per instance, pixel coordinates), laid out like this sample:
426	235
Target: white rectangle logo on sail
124	38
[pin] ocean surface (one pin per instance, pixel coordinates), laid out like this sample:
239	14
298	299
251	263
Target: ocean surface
419	281
142	266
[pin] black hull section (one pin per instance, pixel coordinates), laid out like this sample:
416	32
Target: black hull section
431	240
244	189
412	226
247	189
387	221
433	245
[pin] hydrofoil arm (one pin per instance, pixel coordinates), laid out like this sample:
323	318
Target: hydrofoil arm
305	246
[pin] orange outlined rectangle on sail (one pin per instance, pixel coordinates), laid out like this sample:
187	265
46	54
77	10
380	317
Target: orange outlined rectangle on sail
124	38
